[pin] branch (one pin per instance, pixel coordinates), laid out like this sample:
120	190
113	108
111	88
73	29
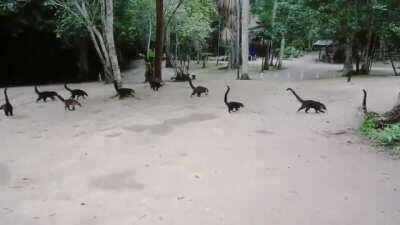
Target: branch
64	5
173	13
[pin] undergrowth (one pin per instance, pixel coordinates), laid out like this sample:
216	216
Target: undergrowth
383	135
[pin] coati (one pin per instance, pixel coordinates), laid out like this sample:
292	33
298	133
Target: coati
7	107
76	93
232	106
155	84
69	103
123	92
308	104
45	94
197	90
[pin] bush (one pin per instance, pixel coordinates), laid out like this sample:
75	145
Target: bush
383	135
292	52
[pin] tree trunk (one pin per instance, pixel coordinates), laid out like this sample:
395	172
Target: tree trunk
281	52
168	62
348	63
238	25
218	40
393	65
367	53
149	37
159	39
109	33
245	40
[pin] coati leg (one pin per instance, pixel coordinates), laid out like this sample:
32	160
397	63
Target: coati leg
307	108
301	107
193	93
198	94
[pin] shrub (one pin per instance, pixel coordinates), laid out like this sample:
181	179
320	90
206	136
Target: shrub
383	135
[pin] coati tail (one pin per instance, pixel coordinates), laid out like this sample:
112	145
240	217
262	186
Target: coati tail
116	85
66	87
364	102
6	96
61	98
191	84
295	94
37	90
226	95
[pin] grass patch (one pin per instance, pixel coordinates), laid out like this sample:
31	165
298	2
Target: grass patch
382	135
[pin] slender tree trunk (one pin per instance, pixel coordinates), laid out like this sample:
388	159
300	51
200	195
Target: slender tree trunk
149	37
245	40
159	39
168	62
348	63
103	59
367	52
393	65
237	14
281	52
219	39
109	33
176	54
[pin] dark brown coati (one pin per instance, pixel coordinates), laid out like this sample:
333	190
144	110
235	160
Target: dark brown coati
308	104
232	106
123	92
155	84
69	103
7	107
197	90
76	93
45	94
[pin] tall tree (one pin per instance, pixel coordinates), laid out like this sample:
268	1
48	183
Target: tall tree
109	33
159	39
97	18
245	40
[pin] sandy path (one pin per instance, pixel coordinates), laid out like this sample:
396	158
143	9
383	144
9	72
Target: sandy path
168	159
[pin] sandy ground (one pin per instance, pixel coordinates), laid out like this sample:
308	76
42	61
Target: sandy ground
166	158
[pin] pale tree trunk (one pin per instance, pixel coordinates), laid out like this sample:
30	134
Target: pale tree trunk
367	52
109	34
219	39
159	39
281	52
149	38
168	62
245	40
96	37
237	49
348	63
393	65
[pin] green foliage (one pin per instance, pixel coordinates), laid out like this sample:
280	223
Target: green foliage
384	135
150	56
11	6
192	24
132	19
304	21
292	52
